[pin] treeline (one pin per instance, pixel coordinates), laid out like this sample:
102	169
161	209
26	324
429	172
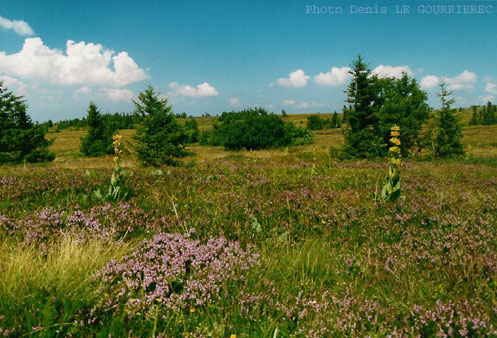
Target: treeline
486	115
117	120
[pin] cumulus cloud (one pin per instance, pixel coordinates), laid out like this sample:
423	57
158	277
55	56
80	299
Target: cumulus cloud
463	81
82	63
202	90
14	84
430	81
116	94
320	105
234	102
491	88
304	105
288	102
335	77
296	79
19	26
486	98
392	71
81	91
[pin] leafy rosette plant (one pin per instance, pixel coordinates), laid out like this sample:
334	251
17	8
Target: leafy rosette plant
117	188
391	189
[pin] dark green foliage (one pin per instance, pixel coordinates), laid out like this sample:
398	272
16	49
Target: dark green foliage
191	129
98	141
316	122
400	102
119	120
488	114
360	137
160	139
335	121
20	139
181	116
345	110
449	132
254	129
376	105
475	117
283	113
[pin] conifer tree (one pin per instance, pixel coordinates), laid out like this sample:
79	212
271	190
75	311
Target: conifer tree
160	138
334	120
449	133
360	139
98	141
475	117
20	139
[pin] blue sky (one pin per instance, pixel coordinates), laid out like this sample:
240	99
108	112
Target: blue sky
212	56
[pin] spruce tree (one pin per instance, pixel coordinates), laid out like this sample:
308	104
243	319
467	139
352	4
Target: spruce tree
488	114
475	117
98	141
334	120
360	139
160	138
449	133
20	139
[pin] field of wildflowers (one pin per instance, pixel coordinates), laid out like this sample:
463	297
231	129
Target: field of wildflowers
244	245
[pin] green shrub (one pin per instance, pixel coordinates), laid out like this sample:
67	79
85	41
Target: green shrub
315	122
191	129
20	139
98	141
254	129
160	139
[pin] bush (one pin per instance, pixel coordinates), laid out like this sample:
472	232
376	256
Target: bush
98	141
315	122
254	129
160	139
20	139
191	129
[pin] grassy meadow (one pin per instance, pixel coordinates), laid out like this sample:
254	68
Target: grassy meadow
274	243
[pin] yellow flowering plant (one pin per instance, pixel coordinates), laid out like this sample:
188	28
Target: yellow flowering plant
117	188
391	189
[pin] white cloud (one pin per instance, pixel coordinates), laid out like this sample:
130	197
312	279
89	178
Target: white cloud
14	84
82	63
117	95
19	26
320	105
304	105
463	81
234	102
335	77
296	79
81	91
202	90
491	88
486	98
288	102
430	81
392	71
